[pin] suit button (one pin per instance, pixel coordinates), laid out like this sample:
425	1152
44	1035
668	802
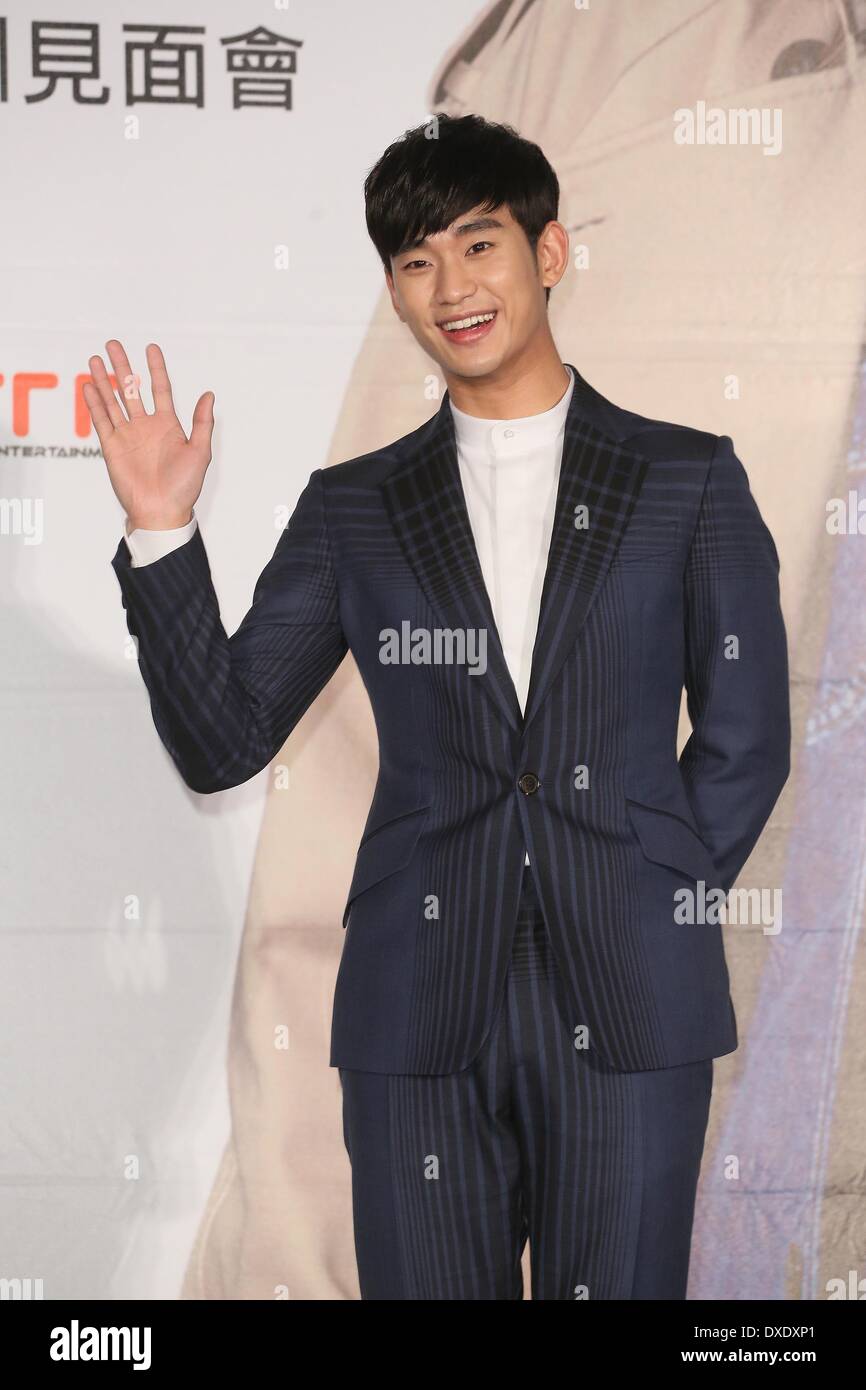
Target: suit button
528	783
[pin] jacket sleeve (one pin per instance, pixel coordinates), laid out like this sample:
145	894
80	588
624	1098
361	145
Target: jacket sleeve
737	758
223	706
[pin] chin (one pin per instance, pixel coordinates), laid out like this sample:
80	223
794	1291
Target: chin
473	364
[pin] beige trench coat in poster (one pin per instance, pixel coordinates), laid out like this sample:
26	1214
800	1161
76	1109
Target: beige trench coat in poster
719	286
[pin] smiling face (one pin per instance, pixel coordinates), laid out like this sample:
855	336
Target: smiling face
473	296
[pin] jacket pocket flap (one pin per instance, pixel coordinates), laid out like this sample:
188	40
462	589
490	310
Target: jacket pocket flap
665	839
645	538
384	850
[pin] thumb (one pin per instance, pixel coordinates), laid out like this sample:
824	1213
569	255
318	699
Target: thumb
203	421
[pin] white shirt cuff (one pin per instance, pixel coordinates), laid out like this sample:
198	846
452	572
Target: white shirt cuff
147	546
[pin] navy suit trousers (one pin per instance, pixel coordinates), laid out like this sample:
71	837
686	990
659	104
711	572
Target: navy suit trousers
536	1139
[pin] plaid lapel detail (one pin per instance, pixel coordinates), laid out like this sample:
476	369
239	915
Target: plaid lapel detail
605	477
428	511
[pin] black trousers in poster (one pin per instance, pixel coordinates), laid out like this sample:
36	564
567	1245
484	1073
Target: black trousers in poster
537	1140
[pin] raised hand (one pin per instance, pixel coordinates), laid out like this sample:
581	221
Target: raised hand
156	472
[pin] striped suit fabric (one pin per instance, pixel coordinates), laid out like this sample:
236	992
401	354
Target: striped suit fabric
658	557
537	1140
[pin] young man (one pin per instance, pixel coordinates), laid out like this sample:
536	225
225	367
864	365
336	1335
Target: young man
533	984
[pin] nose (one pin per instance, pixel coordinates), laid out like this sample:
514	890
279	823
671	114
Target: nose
453	285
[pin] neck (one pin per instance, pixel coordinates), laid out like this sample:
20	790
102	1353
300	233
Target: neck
513	390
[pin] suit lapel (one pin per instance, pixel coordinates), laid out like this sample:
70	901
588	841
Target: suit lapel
428	512
599	482
425	501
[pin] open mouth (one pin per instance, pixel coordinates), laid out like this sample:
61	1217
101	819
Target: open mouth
468	329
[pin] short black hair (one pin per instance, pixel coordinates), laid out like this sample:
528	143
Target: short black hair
439	170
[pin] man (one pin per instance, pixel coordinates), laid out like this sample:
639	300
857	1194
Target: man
533	983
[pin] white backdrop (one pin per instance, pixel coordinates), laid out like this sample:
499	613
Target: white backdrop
113	1031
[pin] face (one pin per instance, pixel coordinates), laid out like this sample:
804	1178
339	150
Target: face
482	265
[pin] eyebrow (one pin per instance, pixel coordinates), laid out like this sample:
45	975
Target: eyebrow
478	224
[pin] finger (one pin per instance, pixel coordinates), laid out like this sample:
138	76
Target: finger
129	384
106	392
202	422
98	414
160	385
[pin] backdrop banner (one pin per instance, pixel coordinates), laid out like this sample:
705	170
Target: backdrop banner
208	182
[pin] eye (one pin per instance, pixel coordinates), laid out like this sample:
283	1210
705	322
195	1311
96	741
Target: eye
479	243
409	264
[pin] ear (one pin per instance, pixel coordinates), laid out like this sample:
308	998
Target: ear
553	253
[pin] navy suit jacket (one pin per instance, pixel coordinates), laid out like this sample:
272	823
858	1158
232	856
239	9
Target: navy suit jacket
661	574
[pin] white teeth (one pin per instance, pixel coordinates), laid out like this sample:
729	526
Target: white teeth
467	323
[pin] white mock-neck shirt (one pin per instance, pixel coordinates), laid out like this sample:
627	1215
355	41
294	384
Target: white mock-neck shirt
510	475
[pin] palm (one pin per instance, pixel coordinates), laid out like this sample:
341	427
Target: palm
155	470
152	466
